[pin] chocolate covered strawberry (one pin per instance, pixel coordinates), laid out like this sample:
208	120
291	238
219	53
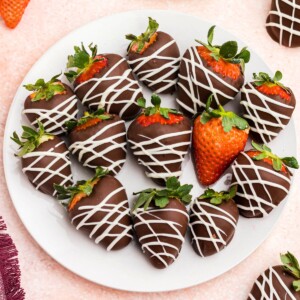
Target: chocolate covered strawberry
104	81
99	140
159	138
280	282
268	106
263	180
160	221
99	207
45	159
213	220
210	69
218	137
154	57
52	103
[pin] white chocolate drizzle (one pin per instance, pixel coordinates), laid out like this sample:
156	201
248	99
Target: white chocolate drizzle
148	76
151	147
252	112
89	146
192	85
120	210
149	218
282	16
54	119
55	157
267	282
111	94
207	220
255	202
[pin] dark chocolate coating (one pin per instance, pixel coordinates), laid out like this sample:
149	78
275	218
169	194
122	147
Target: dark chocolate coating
105	154
274	281
120	89
44	168
55	126
192	93
262	187
283	22
159	241
252	112
170	54
112	219
141	134
211	224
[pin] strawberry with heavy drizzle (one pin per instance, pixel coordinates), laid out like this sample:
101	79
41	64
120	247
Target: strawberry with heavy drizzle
103	81
218	137
45	159
154	57
159	138
98	139
160	221
210	69
268	106
99	207
52	103
263	180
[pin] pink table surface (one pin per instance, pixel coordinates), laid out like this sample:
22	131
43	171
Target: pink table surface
44	23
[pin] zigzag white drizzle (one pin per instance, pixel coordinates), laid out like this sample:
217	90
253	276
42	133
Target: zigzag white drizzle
191	65
293	32
109	97
260	123
254	200
140	149
89	146
53	116
121	209
56	157
267	281
147	75
140	215
214	232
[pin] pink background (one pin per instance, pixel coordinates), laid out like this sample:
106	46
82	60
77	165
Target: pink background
44	23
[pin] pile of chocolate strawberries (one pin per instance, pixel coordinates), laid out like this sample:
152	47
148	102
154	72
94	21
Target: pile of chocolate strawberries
204	79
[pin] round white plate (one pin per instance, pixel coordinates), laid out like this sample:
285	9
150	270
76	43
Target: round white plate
47	221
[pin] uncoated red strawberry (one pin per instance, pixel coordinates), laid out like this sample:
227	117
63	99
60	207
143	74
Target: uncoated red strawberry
218	137
12	11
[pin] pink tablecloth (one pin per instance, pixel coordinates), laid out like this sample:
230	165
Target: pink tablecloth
44	23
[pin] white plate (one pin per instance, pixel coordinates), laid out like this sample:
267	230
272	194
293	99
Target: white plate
46	220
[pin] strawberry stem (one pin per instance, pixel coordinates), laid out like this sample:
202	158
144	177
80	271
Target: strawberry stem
160	198
228	51
31	139
229	118
291	266
277	162
151	110
218	198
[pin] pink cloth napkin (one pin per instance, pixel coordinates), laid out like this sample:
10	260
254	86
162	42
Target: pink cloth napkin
10	288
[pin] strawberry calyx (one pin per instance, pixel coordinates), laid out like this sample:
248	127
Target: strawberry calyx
218	198
83	65
71	195
291	266
227	52
89	119
156	114
264	153
140	43
31	139
45	90
229	118
161	198
271	86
